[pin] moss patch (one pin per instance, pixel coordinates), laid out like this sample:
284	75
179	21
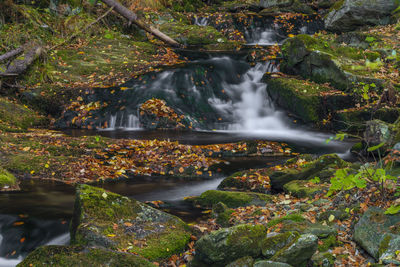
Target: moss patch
290	217
231	199
6	178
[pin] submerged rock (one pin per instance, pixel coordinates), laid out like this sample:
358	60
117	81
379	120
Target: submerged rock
379	235
231	199
80	256
109	220
348	15
228	244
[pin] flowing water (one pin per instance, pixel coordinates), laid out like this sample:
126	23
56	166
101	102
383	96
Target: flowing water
228	102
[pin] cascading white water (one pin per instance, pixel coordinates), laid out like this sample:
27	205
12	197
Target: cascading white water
121	121
262	36
200	21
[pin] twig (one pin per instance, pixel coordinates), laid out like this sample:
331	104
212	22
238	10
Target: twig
84	29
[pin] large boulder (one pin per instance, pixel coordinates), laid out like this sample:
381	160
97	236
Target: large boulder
377	132
221	247
348	15
303	188
310	102
80	256
109	220
379	235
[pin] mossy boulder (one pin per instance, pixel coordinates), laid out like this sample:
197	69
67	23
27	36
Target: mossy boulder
348	15
222	214
323	167
298	252
228	244
378	132
379	235
265	263
81	256
303	188
7	180
275	242
242	262
231	199
324	61
235	182
309	101
109	220
323	260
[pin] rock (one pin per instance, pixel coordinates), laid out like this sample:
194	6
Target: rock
307	100
7	180
304	188
234	182
109	220
270	264
324	62
274	243
377	132
231	199
80	256
323	260
299	252
348	15
379	235
275	3
323	167
222	214
228	244
242	262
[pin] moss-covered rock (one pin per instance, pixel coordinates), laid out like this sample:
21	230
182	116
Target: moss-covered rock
271	245
377	132
323	167
81	256
231	199
7	180
323	260
302	188
307	100
222	214
106	219
264	263
298	252
228	244
348	15
242	262
374	233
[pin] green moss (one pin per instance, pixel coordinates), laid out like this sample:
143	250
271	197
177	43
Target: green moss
290	217
338	5
26	163
193	34
271	245
80	256
246	234
302	188
6	178
231	199
327	243
384	245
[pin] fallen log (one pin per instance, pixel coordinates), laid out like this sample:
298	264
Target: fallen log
132	18
20	65
12	53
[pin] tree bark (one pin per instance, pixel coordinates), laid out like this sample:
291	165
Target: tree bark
132	18
12	53
19	66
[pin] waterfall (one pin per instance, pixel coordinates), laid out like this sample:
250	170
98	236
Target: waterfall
121	121
200	21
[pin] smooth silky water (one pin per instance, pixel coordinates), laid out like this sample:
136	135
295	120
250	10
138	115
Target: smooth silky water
231	88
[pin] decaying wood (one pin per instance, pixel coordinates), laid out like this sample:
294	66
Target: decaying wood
132	18
20	65
12	53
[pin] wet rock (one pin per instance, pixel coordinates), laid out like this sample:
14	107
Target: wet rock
228	244
80	256
242	262
299	252
303	188
378	132
379	235
307	100
275	242
348	15
275	3
109	220
222	214
231	199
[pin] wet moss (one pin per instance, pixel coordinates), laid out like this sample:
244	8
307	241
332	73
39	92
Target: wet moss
327	243
303	188
26	163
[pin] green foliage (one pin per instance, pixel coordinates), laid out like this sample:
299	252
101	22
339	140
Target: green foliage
315	180
338	136
394	209
343	180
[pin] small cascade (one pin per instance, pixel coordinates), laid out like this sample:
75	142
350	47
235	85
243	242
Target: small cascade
263	36
121	121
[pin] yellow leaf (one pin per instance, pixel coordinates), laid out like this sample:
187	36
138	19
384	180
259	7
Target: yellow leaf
26	148
46	166
32	172
124	88
331	218
291	35
111	235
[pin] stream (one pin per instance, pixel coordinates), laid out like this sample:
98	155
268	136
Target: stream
39	214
